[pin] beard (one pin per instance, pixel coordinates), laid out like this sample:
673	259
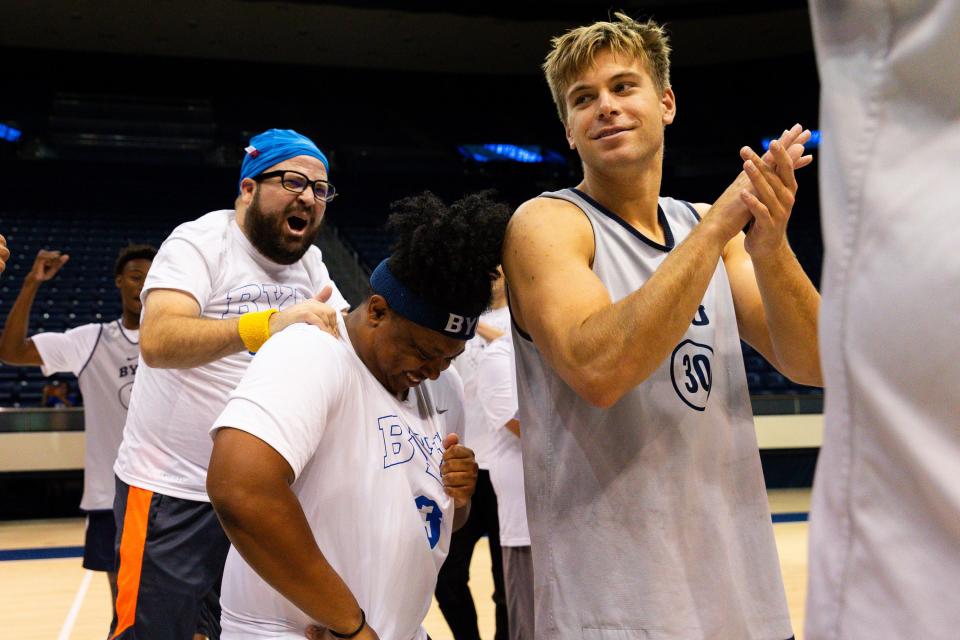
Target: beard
267	233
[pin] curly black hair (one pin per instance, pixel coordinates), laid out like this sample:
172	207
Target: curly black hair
449	255
133	252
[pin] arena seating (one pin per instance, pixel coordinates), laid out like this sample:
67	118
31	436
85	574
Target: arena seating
373	245
82	292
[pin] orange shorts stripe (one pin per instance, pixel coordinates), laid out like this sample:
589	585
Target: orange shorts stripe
132	541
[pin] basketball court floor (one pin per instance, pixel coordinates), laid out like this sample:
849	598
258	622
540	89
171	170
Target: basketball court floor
45	594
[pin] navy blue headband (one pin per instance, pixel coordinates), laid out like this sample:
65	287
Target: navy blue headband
415	309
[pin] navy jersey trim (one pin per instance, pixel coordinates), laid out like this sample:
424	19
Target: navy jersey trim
124	333
523	334
593	232
693	209
92	351
661	217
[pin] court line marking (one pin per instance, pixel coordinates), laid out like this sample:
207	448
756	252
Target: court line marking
67	628
49	553
40	553
797	516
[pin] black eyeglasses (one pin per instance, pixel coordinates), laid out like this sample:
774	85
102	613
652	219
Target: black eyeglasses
296	182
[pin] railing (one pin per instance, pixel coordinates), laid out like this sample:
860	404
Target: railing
786	404
40	419
40	439
351	276
349	248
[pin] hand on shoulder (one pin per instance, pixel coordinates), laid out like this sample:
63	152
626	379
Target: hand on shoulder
314	311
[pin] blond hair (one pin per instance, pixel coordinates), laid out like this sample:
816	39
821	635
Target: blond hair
575	51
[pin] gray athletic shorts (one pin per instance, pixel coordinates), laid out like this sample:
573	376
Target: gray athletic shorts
170	556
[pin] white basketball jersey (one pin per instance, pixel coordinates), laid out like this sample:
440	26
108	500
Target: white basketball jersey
105	358
649	519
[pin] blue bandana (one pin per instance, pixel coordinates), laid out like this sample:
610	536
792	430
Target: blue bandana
415	309
273	146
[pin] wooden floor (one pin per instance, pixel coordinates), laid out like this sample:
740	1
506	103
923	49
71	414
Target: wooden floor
56	599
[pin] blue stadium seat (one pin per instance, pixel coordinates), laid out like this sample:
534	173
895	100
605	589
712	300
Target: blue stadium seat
775	381
29	399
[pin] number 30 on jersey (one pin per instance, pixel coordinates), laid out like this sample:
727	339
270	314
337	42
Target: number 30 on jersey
691	373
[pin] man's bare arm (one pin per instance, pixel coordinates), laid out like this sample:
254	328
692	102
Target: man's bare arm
488	332
173	335
777	304
15	347
460	516
792	306
600	348
249	487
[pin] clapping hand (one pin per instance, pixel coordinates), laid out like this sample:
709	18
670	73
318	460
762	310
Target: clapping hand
773	189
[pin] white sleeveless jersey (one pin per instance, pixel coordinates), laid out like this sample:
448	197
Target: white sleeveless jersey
649	519
104	357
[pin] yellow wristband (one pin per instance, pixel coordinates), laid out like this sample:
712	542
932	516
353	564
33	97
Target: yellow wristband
254	329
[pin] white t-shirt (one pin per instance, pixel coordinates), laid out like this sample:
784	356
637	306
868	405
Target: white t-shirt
497	394
477	436
104	357
367	471
165	445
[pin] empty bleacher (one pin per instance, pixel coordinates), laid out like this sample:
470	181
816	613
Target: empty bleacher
372	245
82	292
